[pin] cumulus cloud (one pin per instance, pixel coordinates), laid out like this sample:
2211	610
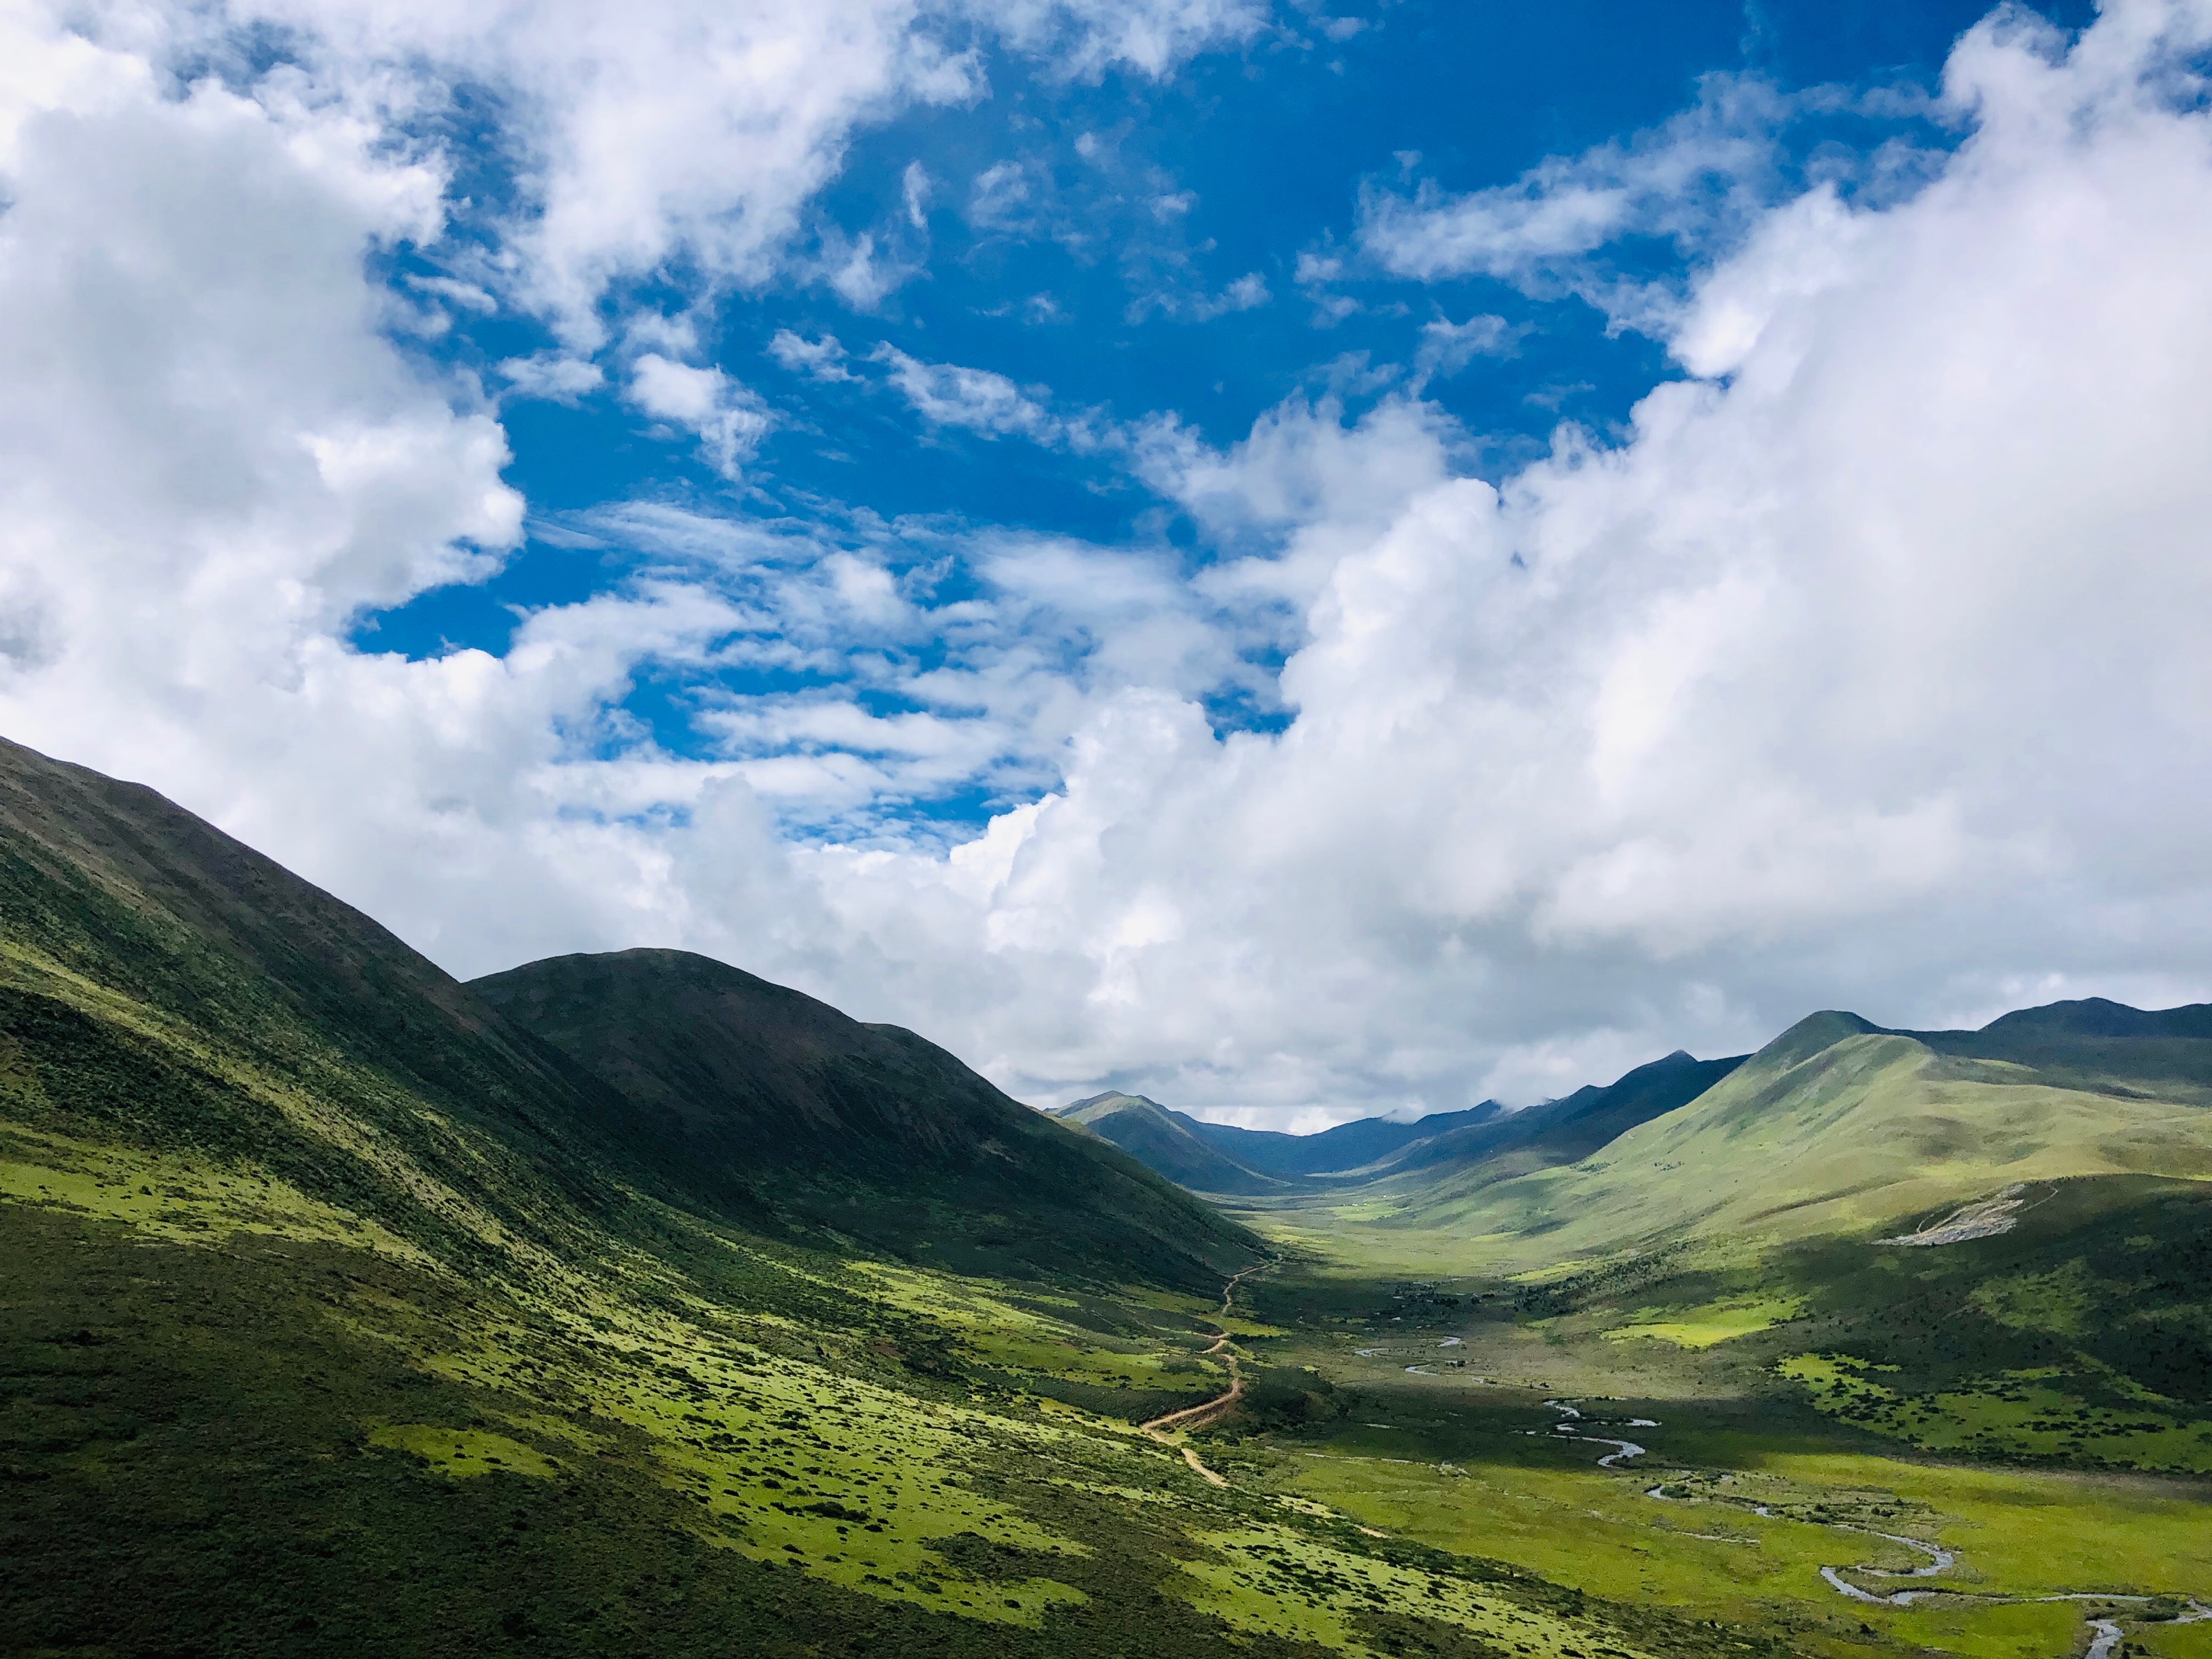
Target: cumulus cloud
1871	673
729	420
1868	666
680	132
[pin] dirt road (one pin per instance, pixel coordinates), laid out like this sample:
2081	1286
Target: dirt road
1191	1417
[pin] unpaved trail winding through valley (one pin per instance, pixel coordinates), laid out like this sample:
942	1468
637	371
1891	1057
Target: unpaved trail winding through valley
1194	1417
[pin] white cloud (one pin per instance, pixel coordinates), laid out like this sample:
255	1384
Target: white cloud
1248	293
1696	180
949	394
1006	196
1873	675
821	359
679	132
728	419
553	376
1447	347
1085	37
1870	665
915	189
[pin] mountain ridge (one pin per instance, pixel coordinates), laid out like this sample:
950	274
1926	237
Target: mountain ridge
740	1086
1163	1142
1839	1126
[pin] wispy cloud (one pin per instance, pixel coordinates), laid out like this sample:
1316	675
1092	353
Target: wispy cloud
977	399
728	419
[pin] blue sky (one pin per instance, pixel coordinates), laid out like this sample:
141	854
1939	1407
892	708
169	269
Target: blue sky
1298	560
1084	237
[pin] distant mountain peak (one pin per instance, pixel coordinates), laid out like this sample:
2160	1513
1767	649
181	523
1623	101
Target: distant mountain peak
2101	1017
1110	1097
1811	1035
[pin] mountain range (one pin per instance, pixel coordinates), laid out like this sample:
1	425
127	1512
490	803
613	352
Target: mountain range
1226	1160
630	1303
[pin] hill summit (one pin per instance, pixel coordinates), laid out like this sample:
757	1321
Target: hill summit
744	1093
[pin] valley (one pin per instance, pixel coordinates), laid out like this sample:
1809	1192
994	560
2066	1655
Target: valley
630	1303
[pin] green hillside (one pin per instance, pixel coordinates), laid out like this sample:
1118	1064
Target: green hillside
1563	1130
1882	1342
1164	1142
344	1312
1837	1126
763	1103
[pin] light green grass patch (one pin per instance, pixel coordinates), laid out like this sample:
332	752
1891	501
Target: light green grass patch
175	1200
2171	1641
2031	1629
2016	1414
1713	1323
1268	1581
2021	1531
2016	1532
1597	1532
462	1453
1077	1361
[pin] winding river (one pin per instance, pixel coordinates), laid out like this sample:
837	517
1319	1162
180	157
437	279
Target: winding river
2106	1633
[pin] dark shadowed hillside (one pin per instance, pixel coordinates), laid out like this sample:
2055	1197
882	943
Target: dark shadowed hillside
1344	1146
1168	1143
744	1092
1572	1126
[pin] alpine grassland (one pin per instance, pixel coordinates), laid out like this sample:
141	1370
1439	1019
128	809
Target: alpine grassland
343	1313
629	1305
1880	1342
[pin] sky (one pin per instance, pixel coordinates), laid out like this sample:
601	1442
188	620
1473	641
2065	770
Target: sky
1305	558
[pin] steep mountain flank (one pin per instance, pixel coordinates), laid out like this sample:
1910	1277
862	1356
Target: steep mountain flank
1836	1127
745	1093
1166	1142
1570	1127
1346	1146
252	1012
161	983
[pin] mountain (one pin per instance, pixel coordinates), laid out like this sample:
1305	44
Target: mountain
1345	1146
1220	1159
110	891
345	1311
1168	1143
746	1094
603	1308
1840	1125
1572	1126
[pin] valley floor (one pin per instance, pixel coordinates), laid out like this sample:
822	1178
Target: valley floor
1688	1435
237	1421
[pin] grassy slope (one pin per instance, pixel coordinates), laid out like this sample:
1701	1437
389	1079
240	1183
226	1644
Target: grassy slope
745	1096
2038	1401
1163	1142
1834	1127
339	1316
1558	1131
